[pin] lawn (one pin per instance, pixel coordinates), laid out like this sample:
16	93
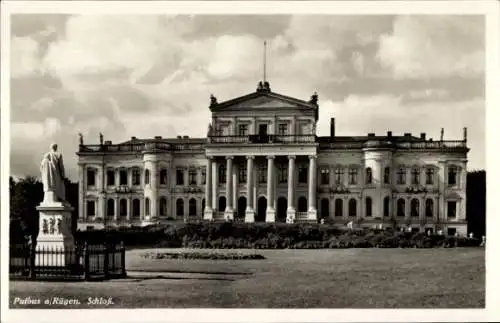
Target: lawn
324	278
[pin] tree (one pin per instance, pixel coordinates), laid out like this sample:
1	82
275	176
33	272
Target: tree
25	195
476	202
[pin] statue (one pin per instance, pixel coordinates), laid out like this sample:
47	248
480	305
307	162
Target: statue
59	226
45	227
314	129
314	98
52	171
81	138
213	100
210	130
52	225
101	138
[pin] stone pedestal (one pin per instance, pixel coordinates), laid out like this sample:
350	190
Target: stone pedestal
290	215
270	214
55	244
312	214
208	214
249	215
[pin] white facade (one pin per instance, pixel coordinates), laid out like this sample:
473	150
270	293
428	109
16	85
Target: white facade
262	161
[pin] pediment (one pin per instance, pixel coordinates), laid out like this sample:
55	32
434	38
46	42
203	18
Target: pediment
263	100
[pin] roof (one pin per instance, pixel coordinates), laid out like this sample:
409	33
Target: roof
367	138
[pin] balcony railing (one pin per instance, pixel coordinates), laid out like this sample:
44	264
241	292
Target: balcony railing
434	145
263	139
140	147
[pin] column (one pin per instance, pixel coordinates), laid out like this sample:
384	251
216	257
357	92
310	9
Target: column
228	213
270	211
235	186
215	183
129	208
249	212
208	191
81	191
254	181
312	212
117	208
290	211
153	180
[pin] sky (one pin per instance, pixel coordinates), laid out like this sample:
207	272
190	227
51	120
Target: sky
152	75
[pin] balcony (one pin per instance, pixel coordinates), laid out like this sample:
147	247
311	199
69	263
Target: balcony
263	139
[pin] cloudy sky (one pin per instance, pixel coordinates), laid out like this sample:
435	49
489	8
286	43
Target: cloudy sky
152	75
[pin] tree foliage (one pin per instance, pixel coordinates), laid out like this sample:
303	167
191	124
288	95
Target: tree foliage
476	202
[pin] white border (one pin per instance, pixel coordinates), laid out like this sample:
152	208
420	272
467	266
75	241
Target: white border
488	8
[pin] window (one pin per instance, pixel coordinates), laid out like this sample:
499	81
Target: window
123	207
353	212
415	207
242	174
415	176
147	206
339	175
324	176
262	172
325	208
203	175
369	176
401	207
136	208
110	207
123	177
90	208
452	209
387	175
401	176
179	176
368	206
147	176
302	173
452	175
163	176
163	206
242	130
179	207
192	207
90	177
222	174
302	205
110	175
282	129
429	208
353	176
387	205
282	173
136	176
192	176
339	208
429	176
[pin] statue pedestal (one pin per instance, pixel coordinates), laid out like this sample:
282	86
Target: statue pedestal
55	244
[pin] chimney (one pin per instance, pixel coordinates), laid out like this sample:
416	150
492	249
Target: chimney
422	135
133	138
179	137
185	137
389	134
407	134
371	134
332	127
465	134
108	142
157	137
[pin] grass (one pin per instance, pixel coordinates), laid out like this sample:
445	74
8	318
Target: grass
349	278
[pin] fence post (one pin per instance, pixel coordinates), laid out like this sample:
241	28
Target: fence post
106	260
85	261
32	254
122	250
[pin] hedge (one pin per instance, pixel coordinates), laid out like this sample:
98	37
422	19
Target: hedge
270	236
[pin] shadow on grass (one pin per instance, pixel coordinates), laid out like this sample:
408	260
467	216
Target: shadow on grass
136	279
177	271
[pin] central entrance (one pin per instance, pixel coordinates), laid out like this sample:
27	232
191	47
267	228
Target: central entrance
281	212
242	205
261	209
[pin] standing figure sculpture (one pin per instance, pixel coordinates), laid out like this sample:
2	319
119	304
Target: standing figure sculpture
52	170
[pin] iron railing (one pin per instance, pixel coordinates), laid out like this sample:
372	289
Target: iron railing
263	139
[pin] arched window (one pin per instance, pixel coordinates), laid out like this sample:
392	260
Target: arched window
136	207
192	207
353	212
325	208
429	208
222	204
110	207
368	206
369	176
163	176
123	207
401	207
147	206
163	206
179	207
339	208
415	207
147	176
302	205
387	203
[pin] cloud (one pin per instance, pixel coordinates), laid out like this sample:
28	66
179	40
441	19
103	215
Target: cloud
24	57
434	46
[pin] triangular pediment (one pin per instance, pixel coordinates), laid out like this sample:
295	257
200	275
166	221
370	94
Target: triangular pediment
263	100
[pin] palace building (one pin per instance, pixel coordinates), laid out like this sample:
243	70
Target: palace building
263	162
